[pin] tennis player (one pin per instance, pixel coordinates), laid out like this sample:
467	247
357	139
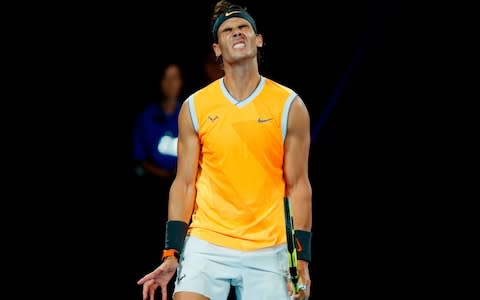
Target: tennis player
243	146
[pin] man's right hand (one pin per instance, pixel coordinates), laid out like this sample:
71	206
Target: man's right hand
159	278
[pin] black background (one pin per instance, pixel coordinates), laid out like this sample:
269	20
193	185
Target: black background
354	63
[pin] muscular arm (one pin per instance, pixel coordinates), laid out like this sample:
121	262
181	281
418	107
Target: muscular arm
297	145
182	191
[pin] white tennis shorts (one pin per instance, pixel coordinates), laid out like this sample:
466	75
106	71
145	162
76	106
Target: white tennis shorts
210	270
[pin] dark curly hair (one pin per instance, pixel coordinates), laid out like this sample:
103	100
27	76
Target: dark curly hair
220	7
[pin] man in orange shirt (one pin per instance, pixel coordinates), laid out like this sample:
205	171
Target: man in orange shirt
243	146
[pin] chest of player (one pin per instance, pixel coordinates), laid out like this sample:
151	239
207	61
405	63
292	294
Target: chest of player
228	130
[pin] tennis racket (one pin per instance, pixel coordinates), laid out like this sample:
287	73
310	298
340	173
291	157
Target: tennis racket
292	250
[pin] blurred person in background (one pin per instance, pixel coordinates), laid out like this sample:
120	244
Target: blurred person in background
156	129
211	68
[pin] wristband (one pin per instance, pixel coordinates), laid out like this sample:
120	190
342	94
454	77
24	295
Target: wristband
170	252
303	241
175	235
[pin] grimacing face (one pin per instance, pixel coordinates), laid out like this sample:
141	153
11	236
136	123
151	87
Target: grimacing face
237	40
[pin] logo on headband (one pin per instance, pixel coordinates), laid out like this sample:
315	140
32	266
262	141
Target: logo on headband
231	12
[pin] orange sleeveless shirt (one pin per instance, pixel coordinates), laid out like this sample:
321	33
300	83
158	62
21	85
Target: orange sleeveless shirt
240	184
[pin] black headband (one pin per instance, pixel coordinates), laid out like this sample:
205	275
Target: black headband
234	11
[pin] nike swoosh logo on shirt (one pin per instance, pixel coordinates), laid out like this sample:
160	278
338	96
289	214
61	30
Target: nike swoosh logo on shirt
263	120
